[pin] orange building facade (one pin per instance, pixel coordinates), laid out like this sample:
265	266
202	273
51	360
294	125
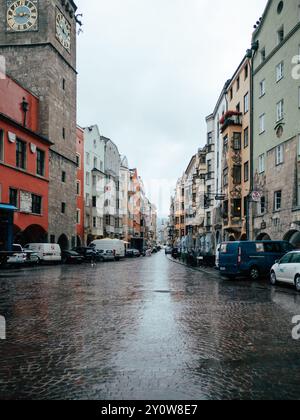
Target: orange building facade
24	162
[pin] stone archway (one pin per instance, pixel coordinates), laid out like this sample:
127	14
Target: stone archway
33	234
63	242
263	237
293	236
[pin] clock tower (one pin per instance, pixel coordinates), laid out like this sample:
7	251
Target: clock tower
38	42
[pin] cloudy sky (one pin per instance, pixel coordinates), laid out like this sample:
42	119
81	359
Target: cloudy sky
151	70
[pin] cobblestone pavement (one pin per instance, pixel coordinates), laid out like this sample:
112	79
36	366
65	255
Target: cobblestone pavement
145	329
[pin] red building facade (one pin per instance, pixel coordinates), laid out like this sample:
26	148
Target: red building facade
80	185
24	162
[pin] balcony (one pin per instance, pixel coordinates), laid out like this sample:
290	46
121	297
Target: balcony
231	118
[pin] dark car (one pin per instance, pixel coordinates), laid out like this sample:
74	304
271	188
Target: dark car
89	254
133	253
251	259
71	257
175	253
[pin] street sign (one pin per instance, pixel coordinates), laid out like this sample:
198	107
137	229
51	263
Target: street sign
256	196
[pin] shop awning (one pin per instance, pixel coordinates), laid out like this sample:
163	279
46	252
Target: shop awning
7	207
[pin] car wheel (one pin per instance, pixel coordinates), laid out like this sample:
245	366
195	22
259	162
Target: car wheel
297	283
254	273
273	278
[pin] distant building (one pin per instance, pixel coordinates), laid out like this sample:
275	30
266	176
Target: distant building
94	183
276	123
80	212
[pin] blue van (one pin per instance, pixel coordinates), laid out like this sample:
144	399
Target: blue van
253	259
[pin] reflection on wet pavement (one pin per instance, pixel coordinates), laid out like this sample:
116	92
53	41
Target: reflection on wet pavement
145	329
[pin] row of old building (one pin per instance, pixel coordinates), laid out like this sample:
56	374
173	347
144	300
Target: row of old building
245	182
65	184
110	198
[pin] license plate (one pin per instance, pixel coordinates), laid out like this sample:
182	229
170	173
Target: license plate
222	268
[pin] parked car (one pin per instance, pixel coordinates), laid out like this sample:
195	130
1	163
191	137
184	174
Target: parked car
18	258
175	253
287	270
31	257
71	257
115	245
89	254
133	253
46	252
168	250
106	255
253	259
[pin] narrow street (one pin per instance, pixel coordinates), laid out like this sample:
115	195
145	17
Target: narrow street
145	329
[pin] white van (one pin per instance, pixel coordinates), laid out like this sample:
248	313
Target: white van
115	245
46	252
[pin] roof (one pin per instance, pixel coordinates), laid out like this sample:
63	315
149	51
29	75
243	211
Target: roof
257	30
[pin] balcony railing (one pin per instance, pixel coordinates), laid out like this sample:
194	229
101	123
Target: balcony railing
231	118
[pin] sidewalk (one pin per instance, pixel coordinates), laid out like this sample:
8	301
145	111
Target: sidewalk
210	271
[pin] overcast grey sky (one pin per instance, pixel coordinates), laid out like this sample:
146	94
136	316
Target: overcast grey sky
151	70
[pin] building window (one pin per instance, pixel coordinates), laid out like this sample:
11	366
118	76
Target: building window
277	200
63	208
262	121
64	84
1	145
36	204
279	71
94	201
78	217
246	137
262	88
279	155
280	35
63	176
21	154
246	172
40	162
237	208
78	160
262	205
246	103
94	222
237	174
95	163
87	176
238	83
78	187
209	138
246	71
263	55
13	197
225	177
208	219
280	110
261	164
231	94
64	133
237	141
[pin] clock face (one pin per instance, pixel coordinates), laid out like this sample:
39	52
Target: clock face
22	15
63	31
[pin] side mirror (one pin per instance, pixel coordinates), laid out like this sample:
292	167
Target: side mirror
277	262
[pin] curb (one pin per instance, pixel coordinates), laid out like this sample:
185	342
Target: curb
201	270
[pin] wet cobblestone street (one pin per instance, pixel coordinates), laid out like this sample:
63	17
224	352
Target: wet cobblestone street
145	329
